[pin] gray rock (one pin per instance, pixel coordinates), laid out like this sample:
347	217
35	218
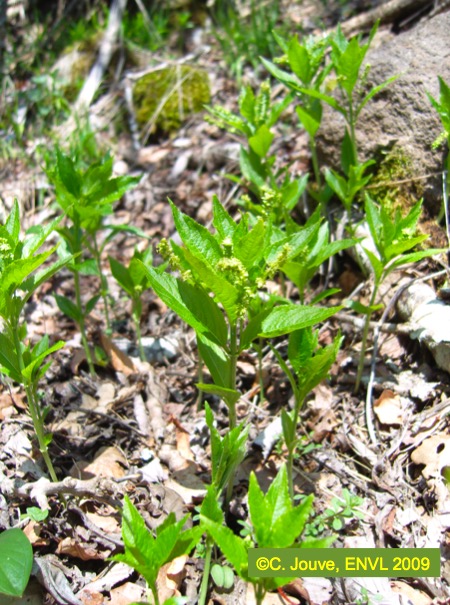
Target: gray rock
401	115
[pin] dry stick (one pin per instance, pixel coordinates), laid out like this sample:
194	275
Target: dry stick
105	53
386	13
368	408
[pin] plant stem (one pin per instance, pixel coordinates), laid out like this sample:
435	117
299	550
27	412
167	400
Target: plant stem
206	571
260	370
315	163
199	401
103	286
233	362
154	593
137	329
364	340
81	324
33	406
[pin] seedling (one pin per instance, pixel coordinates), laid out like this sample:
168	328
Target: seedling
16	561
443	108
147	552
86	197
277	193
19	279
393	235
134	281
307	64
232	265
274	523
341	509
310	365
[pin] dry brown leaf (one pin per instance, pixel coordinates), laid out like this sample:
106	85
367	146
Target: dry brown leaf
389	409
106	522
410	594
73	548
109	462
119	360
127	593
324	426
434	453
33	532
91	598
170	577
183	440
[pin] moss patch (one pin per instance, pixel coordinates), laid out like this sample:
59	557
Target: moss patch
163	99
394	185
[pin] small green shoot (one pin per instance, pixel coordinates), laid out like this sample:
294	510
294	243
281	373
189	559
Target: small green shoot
147	552
22	272
134	281
86	197
274	522
309	365
393	236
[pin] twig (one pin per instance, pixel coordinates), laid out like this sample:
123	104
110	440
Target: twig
378	327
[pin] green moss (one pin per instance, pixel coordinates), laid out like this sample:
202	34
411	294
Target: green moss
163	99
394	184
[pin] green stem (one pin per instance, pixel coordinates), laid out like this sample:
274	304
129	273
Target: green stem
33	406
103	286
315	163
364	340
206	571
137	329
81	324
260	370
154	593
233	363
260	593
199	401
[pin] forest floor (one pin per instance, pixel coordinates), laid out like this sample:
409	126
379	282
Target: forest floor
137	428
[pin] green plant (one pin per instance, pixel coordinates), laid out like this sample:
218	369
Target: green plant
147	552
232	265
310	365
134	281
20	360
307	63
278	194
16	561
86	197
443	108
246	34
392	235
305	266
273	522
341	509
227	453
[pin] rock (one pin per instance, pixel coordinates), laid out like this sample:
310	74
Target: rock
401	117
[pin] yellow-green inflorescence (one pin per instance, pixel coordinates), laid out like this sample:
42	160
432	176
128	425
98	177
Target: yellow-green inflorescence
166	97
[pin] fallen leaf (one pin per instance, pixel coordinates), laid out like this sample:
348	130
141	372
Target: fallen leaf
170	577
73	548
389	409
434	453
126	594
411	595
119	360
109	462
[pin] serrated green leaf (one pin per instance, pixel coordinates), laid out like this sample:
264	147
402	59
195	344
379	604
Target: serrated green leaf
222	221
9	363
249	249
197	239
233	547
251	168
228	395
192	304
287	318
216	359
12	223
261	141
